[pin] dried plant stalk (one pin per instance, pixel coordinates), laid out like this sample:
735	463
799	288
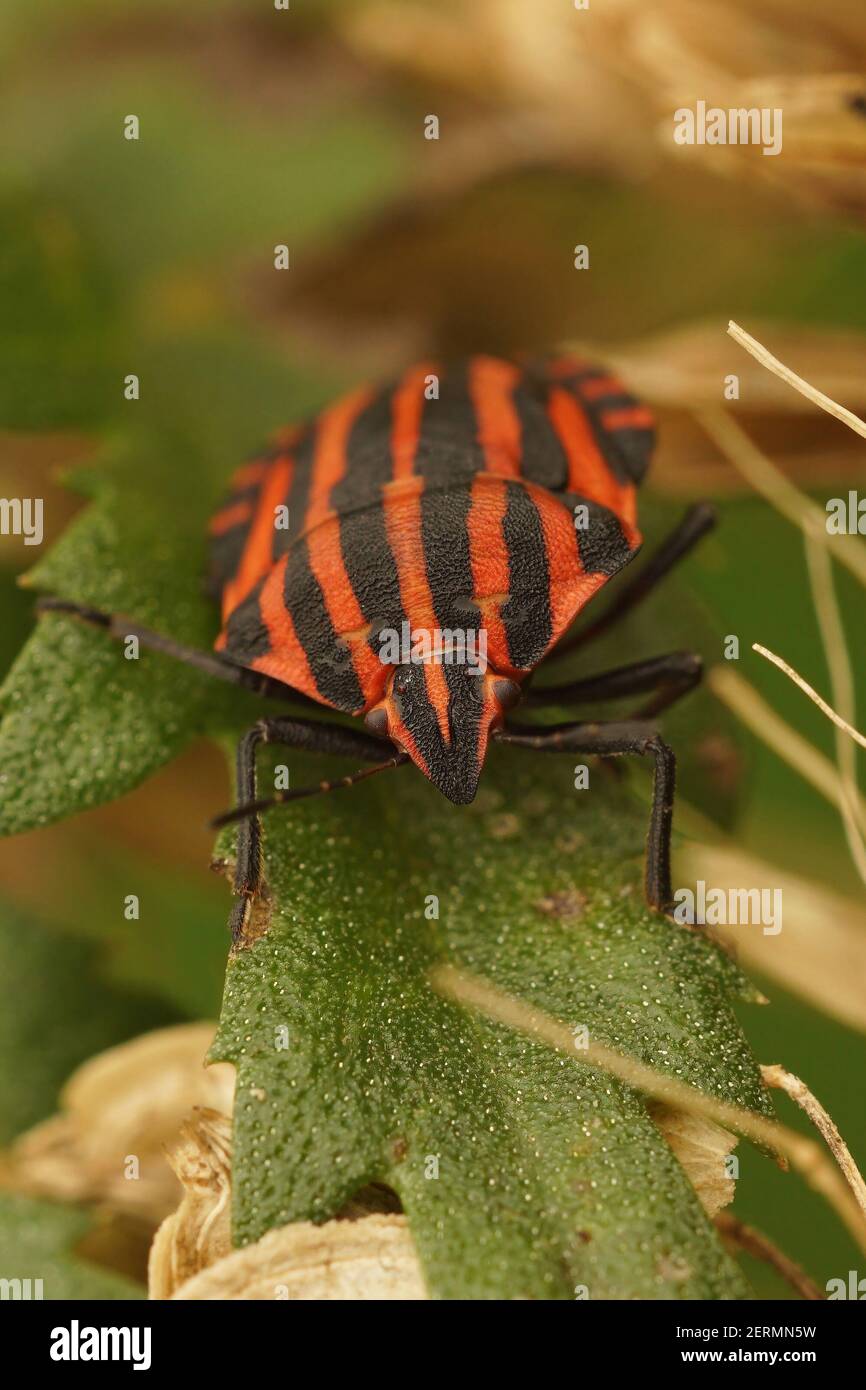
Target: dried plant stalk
798	508
742	697
742	1237
799	1092
772	484
811	393
813	694
842	687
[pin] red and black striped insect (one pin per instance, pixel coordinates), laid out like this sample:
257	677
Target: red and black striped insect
488	501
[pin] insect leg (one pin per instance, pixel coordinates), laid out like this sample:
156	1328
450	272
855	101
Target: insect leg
309	735
670	676
611	740
211	663
697	521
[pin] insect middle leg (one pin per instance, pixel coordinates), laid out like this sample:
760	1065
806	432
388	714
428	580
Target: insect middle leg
611	740
308	735
668	677
117	626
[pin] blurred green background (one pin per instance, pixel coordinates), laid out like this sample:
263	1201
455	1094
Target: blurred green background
258	128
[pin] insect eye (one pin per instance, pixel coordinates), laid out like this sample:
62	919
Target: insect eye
506	692
376	720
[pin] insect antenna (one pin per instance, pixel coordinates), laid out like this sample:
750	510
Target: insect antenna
252	808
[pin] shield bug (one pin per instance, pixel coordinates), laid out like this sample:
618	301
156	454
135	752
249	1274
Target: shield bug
411	557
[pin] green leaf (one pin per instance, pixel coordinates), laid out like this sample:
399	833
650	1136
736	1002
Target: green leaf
57	1011
37	1241
102	723
549	1176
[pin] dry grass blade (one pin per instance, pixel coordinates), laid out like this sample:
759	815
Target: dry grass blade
773	364
834	646
766	479
799	1092
813	694
803	513
842	688
742	697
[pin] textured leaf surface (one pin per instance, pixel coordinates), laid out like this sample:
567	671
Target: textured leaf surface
549	1176
82	723
37	1241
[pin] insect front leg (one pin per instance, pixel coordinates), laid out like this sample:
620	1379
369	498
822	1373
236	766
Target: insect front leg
248	861
611	740
309	735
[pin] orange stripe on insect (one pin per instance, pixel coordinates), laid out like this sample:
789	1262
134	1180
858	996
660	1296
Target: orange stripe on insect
249	474
632	417
407	409
600	386
327	565
408	745
588	472
491	387
287	660
234	515
402	509
259	549
330	458
436	683
568	584
488	557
